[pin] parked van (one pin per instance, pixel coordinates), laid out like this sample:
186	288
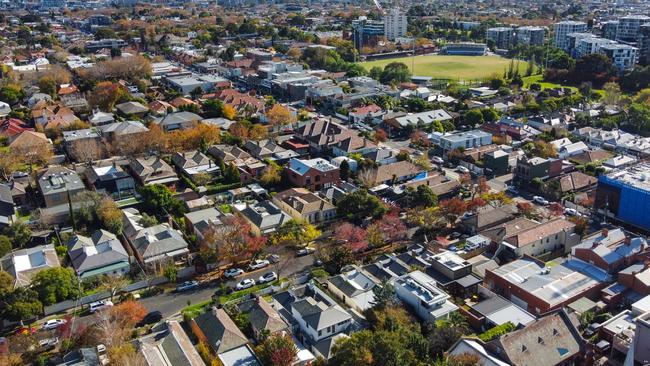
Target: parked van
100	305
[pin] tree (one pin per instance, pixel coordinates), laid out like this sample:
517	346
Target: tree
105	94
359	205
555	209
384	295
395	73
10	162
258	132
113	284
196	92
6	283
159	199
473	117
452	208
213	108
20	304
423	196
594	67
47	85
19	233
387	229
110	215
229	112
202	178
496	199
490	114
126	355
5	245
526	209
277	350
344	170
113	326
612	94
279	116
271	174
11	93
55	285
354	236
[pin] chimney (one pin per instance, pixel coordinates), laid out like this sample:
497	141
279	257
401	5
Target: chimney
595	244
605	232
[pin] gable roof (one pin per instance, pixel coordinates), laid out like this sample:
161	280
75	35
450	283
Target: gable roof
263	316
131	108
220	330
101	250
550	340
539	232
303	201
169	347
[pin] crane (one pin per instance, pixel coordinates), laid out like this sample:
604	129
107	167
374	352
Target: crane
378	5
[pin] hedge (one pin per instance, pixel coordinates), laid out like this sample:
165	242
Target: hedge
496	332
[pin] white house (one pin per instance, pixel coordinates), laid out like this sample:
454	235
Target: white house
354	287
419	291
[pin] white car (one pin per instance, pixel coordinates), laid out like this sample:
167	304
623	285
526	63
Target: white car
267	277
100	305
244	284
462	169
257	264
540	200
437	160
571	212
233	272
53	324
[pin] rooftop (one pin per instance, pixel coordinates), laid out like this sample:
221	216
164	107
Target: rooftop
637	176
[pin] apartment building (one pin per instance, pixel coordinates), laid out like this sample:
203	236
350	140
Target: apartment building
419	291
465	140
395	24
623	56
530	35
562	29
503	37
628	27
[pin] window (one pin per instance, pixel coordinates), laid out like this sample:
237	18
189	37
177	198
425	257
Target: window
320	333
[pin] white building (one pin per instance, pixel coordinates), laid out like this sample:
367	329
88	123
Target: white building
588	45
623	56
419	291
628	27
503	37
562	29
395	24
533	36
465	140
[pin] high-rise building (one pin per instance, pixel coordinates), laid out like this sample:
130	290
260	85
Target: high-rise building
562	29
643	44
588	45
572	42
395	24
628	27
367	32
623	56
529	35
503	37
610	29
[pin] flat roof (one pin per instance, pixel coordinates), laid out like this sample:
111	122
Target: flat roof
637	176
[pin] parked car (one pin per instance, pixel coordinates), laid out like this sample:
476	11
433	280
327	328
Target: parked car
100	305
244	284
187	286
462	169
540	200
437	160
267	277
512	190
53	324
455	235
257	264
48	344
151	318
571	212
305	251
233	272
273	258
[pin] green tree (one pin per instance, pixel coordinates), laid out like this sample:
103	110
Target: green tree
47	85
384	295
490	114
359	205
5	245
104	33
473	117
639	116
55	285
11	93
20	304
344	170
19	233
6	283
375	72
277	350
159	199
395	73
213	108
423	196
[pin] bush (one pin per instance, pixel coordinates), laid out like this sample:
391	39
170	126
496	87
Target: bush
218	188
496	332
319	273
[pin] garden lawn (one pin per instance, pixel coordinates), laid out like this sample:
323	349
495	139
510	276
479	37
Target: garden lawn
453	67
550	85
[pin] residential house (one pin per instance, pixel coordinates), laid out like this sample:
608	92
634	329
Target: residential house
380	156
216	329
199	222
531	285
160	108
440	184
5	109
83	145
394	173
610	250
24	264
58	184
178	121
54	116
100	118
248	166
169	346
242	355
264	319
537	167
315	316
304	206
566	148
465	140
111	180
322	134
152	244
29	141
132	109
268	149
243	103
353	144
371	113
153	170
18	192
354	287
550	340
415	120
487	217
124	133
264	217
556	235
636	277
314	174
98	255
387	267
419	291
12	127
491	310
192	163
7	206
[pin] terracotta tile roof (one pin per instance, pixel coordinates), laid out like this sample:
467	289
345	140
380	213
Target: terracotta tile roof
539	232
13	126
576	181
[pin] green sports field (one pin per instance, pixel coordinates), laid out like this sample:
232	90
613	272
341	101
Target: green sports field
453	67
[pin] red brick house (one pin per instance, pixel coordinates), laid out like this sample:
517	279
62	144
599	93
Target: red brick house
610	250
313	174
636	277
